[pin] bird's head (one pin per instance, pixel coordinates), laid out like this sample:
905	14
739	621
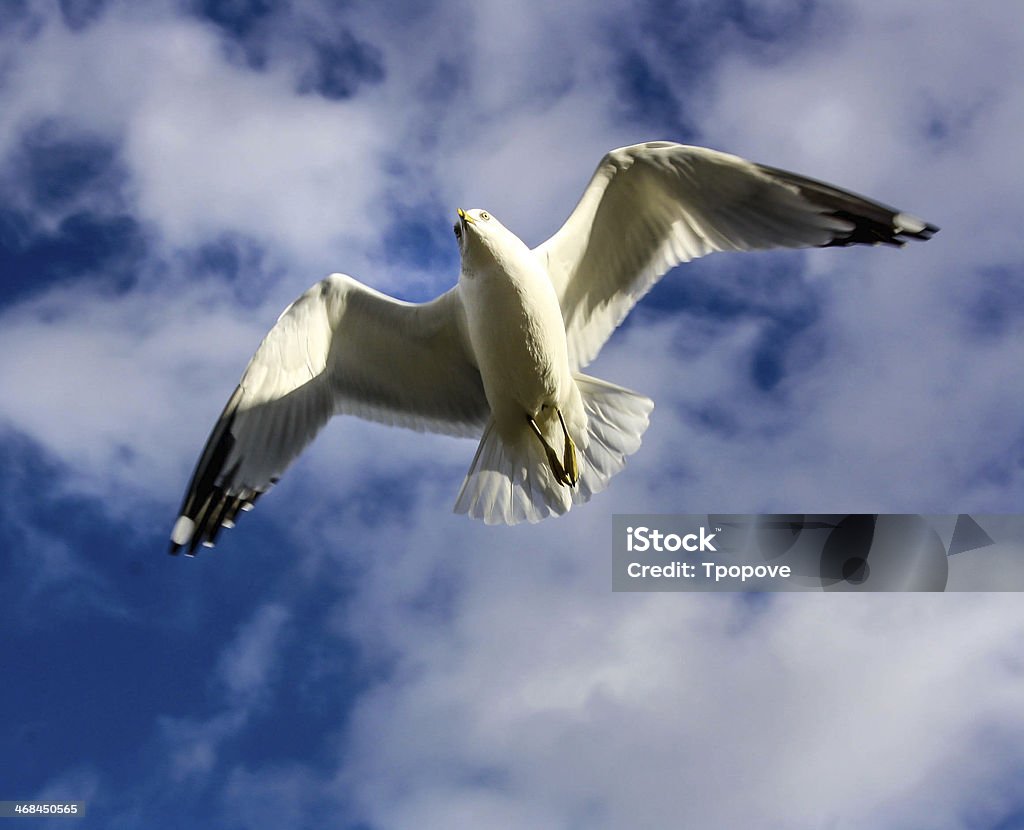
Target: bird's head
473	224
479	234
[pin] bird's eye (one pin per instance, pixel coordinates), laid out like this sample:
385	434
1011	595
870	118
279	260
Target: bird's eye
458	230
484	215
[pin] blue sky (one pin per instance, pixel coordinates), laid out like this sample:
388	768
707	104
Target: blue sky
354	655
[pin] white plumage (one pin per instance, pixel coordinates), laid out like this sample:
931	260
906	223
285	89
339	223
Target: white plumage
500	354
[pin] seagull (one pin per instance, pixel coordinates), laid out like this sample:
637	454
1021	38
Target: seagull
499	355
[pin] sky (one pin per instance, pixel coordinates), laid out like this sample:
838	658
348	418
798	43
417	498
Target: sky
355	656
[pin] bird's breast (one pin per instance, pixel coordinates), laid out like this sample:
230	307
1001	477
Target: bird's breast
518	336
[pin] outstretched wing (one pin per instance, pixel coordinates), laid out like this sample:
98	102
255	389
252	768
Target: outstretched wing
652	206
339	348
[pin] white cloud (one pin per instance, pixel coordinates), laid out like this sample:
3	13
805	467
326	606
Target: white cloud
211	146
109	383
280	797
246	666
192	746
244	677
704	711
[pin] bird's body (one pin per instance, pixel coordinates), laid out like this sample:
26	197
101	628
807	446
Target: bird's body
515	330
499	355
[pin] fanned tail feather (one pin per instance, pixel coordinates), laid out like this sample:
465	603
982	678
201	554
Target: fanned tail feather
509	483
616	422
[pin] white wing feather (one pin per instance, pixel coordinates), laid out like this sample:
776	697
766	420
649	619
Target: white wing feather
339	348
652	206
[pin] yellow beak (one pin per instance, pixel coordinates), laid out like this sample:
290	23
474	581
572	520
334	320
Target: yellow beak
465	217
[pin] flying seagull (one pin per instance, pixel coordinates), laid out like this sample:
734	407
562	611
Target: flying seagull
498	356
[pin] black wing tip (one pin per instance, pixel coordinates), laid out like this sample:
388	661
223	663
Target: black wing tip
207	502
895	230
872	223
202	529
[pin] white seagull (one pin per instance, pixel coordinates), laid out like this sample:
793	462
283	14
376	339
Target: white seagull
499	355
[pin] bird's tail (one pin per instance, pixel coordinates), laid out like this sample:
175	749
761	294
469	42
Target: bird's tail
512	482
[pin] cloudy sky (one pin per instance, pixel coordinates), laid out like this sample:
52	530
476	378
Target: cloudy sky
353	655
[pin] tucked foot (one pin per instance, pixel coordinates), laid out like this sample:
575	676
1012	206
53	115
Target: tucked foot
569	462
556	465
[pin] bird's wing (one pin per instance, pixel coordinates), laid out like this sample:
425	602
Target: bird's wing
339	348
652	206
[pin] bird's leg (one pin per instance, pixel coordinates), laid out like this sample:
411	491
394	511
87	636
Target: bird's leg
569	462
556	465
566	469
